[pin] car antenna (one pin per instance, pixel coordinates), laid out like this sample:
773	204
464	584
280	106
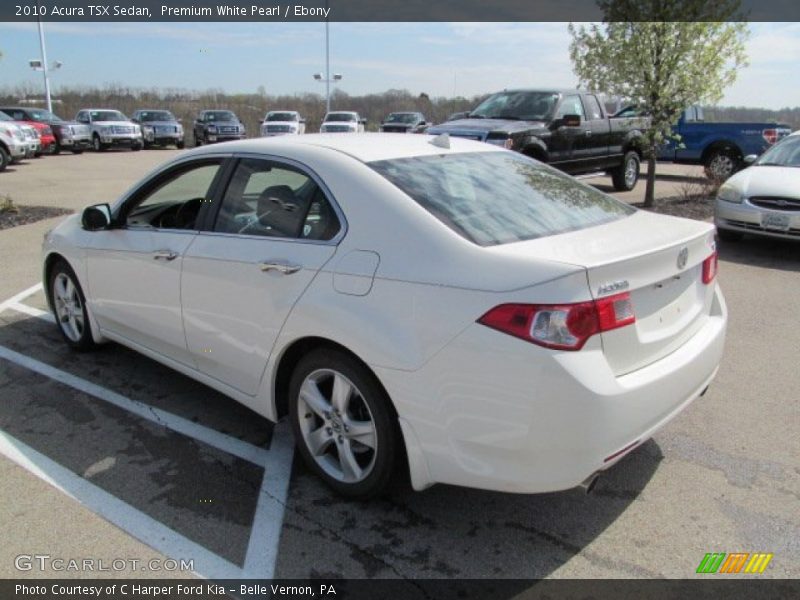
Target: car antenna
442	141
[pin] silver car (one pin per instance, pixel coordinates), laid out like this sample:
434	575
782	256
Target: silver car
763	199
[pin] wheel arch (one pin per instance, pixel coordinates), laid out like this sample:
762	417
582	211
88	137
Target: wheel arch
721	144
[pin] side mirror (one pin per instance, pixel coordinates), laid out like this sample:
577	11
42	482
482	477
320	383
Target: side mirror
97	217
362	121
750	159
571	121
302	120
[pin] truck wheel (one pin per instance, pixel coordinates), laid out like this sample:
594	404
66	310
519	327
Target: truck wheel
198	141
78	151
626	175
136	147
180	145
55	149
721	164
3	159
98	145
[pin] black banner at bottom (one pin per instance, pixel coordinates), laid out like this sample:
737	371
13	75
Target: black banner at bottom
713	587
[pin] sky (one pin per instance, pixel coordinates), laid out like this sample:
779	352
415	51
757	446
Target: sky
440	59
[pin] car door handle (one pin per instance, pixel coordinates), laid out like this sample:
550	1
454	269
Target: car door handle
165	254
280	267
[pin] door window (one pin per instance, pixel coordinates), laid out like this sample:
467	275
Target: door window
175	200
570	105
275	200
593	108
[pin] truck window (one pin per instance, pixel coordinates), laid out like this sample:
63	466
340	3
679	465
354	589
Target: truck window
570	105
593	110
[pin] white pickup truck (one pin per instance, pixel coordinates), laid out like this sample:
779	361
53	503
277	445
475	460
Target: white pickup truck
283	122
343	121
111	128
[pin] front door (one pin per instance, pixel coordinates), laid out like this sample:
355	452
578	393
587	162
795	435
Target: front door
134	269
274	231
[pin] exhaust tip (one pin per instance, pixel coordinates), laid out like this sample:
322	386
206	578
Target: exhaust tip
587	485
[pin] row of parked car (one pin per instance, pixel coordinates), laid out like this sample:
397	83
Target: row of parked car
27	132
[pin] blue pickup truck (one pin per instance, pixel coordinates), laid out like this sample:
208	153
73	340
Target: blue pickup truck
719	147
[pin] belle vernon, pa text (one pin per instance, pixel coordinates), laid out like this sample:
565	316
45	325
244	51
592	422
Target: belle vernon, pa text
171	591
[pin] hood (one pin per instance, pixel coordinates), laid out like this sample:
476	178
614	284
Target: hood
159	123
479	126
767	181
115	123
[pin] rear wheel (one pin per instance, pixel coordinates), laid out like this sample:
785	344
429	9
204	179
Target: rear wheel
721	164
69	306
343	423
626	175
4	159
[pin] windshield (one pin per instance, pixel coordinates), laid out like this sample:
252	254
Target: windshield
783	154
340	117
402	118
525	106
156	115
220	115
495	198
107	115
281	116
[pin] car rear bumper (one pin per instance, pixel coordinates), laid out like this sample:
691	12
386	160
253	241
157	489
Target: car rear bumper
746	218
491	411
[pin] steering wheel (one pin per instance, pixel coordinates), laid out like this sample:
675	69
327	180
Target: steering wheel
187	212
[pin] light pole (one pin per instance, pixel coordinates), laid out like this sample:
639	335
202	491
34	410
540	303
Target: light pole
41	65
328	81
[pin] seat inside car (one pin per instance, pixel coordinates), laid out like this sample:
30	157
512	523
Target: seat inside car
280	211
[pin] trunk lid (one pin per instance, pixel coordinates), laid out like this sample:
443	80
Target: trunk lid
658	260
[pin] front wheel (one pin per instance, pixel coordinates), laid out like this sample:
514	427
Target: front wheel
4	159
97	144
69	306
626	175
180	145
78	151
343	423
136	147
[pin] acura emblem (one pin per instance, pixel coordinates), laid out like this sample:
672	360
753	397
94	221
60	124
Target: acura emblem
683	256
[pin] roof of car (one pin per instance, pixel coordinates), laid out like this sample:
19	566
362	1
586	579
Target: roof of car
366	147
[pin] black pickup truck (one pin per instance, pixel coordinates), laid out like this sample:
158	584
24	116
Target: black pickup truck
568	129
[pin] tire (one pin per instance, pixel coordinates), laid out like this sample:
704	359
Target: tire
626	175
355	461
721	164
136	147
197	141
37	154
97	145
69	307
180	145
727	235
55	149
4	159
79	151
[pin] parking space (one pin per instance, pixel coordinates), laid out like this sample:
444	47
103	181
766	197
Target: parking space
191	474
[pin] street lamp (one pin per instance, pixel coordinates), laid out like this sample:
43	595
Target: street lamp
328	81
41	65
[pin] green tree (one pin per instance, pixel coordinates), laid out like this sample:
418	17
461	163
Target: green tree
663	56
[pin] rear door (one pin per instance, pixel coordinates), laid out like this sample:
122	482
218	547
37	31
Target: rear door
275	229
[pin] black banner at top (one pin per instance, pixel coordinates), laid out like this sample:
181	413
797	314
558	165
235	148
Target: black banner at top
369	10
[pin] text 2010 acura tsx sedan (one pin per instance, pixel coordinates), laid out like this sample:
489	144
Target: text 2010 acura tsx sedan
459	308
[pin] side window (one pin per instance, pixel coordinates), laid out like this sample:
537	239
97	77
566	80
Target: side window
570	105
175	201
18	115
593	108
275	200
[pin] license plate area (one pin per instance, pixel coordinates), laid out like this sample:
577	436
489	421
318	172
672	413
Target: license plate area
776	221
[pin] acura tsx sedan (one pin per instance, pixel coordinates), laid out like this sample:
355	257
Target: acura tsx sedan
442	306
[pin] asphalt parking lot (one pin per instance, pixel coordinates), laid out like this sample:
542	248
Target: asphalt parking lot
110	455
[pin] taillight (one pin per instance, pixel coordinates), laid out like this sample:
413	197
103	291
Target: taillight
561	326
770	136
710	266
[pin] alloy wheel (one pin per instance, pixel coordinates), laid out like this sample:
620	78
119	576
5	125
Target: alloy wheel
69	308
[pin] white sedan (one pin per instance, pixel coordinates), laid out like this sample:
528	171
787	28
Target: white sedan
456	309
763	199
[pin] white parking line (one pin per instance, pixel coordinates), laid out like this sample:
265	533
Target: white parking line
265	534
141	526
20	297
226	443
262	549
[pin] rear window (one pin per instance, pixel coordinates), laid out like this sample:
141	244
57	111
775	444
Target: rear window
496	198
